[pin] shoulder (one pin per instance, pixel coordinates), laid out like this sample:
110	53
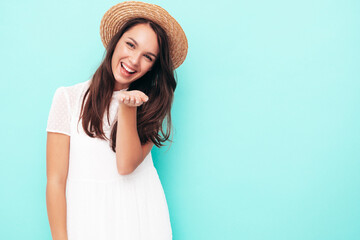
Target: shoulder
76	88
73	92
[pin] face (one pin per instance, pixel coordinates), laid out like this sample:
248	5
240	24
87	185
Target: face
134	55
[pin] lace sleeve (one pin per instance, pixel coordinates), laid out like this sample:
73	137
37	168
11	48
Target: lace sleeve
59	115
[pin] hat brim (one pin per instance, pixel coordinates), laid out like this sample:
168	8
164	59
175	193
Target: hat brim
120	13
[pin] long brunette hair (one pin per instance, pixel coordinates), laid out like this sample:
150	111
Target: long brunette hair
158	84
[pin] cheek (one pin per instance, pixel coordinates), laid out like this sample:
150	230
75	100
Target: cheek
113	61
119	52
123	51
147	66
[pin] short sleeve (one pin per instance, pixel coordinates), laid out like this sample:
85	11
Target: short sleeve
59	116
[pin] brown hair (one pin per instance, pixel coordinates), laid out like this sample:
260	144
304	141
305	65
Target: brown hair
158	84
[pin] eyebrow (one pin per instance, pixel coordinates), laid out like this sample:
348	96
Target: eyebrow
137	44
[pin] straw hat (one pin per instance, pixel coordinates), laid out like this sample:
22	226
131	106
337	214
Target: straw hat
120	13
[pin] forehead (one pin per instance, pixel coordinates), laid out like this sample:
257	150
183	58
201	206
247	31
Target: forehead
141	33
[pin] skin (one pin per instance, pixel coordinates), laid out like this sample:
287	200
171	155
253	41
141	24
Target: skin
138	49
129	151
57	162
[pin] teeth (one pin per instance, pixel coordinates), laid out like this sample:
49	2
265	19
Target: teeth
127	69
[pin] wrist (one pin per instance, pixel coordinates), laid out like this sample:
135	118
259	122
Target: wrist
127	108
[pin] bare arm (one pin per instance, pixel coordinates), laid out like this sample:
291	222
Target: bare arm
129	151
57	162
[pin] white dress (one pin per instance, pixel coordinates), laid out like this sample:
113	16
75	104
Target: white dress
101	203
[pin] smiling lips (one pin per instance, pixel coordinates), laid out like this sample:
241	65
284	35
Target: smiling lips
126	70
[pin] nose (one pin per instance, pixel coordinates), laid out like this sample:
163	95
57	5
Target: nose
135	58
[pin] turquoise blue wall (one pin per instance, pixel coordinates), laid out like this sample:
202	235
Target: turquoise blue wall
266	115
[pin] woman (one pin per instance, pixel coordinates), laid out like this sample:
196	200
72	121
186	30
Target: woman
101	181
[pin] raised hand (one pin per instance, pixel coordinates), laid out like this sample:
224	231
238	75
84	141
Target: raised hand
132	98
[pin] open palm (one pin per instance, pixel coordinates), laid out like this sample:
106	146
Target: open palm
132	98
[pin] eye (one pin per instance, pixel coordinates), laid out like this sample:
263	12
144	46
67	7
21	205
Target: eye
130	44
148	57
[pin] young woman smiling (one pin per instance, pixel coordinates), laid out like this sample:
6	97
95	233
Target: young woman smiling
101	181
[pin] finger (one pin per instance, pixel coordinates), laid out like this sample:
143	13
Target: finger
144	97
138	100
119	97
132	100
124	98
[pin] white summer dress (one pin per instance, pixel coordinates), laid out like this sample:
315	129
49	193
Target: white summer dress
101	203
